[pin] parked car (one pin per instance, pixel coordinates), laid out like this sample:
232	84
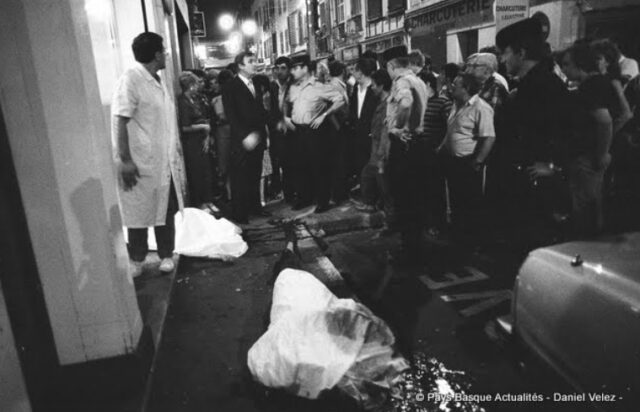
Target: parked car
576	306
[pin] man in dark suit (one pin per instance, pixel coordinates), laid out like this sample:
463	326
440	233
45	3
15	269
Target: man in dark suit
243	105
362	106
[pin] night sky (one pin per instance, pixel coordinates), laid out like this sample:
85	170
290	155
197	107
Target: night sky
213	8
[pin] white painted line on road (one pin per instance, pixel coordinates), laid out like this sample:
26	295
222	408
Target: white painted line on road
453	279
329	269
473	295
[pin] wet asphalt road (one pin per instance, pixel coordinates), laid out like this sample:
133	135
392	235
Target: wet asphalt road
219	310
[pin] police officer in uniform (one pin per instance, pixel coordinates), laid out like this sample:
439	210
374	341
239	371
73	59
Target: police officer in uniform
405	118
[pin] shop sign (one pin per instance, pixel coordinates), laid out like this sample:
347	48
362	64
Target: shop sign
451	15
198	28
384	44
510	11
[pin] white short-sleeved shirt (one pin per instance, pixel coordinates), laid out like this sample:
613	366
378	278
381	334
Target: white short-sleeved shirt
154	146
466	124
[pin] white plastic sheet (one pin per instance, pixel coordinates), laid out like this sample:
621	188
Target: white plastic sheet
199	234
314	339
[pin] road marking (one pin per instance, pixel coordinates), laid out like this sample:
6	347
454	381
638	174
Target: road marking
453	279
488	299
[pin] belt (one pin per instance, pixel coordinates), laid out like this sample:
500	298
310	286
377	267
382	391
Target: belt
302	126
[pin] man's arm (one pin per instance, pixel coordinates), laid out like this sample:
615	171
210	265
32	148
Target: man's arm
604	134
482	150
625	110
337	102
405	101
127	169
486	137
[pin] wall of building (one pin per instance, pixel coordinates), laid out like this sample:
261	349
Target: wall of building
62	61
13	392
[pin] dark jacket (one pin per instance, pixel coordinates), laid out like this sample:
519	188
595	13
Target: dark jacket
537	116
362	125
245	113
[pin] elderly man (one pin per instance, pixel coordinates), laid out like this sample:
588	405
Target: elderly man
145	135
470	137
484	66
313	104
407	103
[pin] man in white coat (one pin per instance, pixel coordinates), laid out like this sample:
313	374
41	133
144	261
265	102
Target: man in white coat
145	137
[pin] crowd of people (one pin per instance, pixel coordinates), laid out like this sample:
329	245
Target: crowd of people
517	140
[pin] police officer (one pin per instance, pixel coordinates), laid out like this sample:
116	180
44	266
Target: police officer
405	118
313	104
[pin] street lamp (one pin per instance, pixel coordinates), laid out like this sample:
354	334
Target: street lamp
226	22
249	28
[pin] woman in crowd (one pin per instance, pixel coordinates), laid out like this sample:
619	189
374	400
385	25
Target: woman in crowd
263	84
608	57
196	142
222	130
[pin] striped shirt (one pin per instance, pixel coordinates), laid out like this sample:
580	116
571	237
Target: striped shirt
435	119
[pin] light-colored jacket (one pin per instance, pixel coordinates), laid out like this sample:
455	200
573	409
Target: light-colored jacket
154	144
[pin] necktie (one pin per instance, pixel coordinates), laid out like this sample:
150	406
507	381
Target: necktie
251	88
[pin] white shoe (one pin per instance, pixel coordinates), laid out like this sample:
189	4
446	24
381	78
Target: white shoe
167	265
135	268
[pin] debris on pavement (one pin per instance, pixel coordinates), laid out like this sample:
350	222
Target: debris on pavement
428	386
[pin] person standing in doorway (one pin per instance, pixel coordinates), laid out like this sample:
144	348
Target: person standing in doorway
243	105
150	169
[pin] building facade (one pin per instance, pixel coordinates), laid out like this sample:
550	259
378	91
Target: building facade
447	30
67	302
451	30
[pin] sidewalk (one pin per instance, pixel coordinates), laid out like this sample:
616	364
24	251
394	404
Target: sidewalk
218	310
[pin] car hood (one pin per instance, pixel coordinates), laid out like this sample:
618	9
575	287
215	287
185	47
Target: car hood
617	255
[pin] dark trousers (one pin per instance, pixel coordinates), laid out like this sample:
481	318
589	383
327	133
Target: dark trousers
313	164
407	174
165	235
244	173
468	209
374	187
362	150
586	183
338	165
277	155
287	154
199	168
436	193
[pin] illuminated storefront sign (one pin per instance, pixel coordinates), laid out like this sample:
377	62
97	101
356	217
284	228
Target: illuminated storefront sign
450	15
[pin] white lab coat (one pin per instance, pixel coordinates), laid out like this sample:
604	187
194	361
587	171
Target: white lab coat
154	145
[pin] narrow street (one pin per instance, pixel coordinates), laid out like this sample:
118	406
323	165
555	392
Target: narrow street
219	309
